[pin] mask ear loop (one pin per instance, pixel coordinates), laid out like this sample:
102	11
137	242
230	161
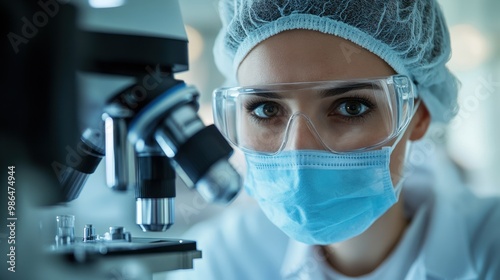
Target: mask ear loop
399	185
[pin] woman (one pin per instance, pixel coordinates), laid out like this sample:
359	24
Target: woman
329	96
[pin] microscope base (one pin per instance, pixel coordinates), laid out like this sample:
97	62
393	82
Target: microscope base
138	259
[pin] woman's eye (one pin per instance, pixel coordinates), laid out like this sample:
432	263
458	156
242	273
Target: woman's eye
352	108
266	110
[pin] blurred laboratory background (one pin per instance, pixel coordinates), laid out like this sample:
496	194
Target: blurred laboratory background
472	140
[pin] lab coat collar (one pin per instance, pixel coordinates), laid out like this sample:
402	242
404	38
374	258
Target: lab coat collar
302	261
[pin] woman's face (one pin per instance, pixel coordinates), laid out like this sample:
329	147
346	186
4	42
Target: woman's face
307	56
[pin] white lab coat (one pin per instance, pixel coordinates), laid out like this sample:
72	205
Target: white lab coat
453	235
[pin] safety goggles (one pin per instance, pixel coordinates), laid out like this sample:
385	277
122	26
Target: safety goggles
342	115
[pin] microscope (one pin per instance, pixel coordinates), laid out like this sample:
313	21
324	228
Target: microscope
148	131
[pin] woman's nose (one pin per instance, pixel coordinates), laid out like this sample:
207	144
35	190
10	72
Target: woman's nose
301	134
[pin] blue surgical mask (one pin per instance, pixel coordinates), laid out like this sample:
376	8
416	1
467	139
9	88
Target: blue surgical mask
317	197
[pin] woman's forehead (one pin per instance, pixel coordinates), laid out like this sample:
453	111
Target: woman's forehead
304	55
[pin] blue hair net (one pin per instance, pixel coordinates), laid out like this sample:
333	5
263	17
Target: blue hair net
410	35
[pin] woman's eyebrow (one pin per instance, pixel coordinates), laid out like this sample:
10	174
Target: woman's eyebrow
346	88
338	90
